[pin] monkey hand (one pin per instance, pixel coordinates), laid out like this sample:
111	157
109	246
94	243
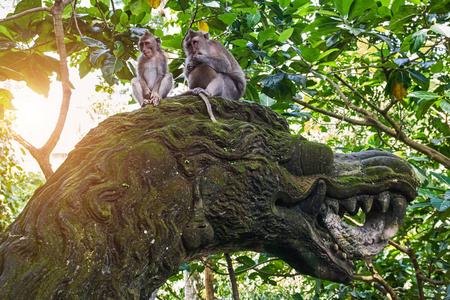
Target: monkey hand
199	90
155	98
191	65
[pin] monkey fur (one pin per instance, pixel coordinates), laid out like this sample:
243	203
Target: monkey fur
154	81
211	67
211	70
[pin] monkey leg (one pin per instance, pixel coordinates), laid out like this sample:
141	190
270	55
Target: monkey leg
166	85
222	86
137	91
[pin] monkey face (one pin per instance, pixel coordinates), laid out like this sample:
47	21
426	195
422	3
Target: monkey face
196	42
149	44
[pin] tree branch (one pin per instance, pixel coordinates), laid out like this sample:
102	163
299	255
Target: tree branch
386	289
266	273
417	269
372	120
357	93
24	13
232	276
330	114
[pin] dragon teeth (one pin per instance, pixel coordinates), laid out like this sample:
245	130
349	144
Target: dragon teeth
350	206
384	200
366	204
335	247
333	205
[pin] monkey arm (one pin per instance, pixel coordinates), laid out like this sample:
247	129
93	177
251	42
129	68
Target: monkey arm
220	63
145	88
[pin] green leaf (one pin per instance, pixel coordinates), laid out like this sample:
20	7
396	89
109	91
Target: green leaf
352	30
5	100
309	54
285	35
228	18
273	81
139	6
328	13
6	33
110	66
423	95
7	73
284	3
298	79
253	19
124	19
297	296
251	93
419	78
84	67
404	15
95	56
445	105
441	29
90	42
326	53
26	5
184	4
426	100
266	100
358	8
403	78
442	178
343	6
119	49
265	35
417	40
440	204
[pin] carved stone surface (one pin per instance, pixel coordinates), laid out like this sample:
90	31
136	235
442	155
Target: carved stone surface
148	190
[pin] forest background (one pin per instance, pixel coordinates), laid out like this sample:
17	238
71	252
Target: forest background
354	74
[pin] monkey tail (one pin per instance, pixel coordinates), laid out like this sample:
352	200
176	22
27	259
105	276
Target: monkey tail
208	106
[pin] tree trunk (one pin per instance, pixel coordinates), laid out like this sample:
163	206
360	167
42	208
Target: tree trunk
209	281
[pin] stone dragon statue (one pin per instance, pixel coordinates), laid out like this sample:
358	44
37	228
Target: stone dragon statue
150	189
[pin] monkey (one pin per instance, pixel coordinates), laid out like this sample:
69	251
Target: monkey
154	81
211	69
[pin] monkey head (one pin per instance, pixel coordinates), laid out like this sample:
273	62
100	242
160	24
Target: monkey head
149	44
196	42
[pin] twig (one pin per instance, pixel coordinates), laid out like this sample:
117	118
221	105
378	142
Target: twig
385	288
172	292
331	114
372	120
357	93
232	276
115	17
189	28
75	17
266	273
27	12
103	16
417	269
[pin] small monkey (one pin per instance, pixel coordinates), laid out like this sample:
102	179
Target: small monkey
211	69
154	81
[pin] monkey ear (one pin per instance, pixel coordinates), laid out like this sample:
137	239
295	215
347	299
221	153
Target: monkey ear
158	40
206	35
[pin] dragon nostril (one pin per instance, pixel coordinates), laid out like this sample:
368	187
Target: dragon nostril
316	158
310	158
